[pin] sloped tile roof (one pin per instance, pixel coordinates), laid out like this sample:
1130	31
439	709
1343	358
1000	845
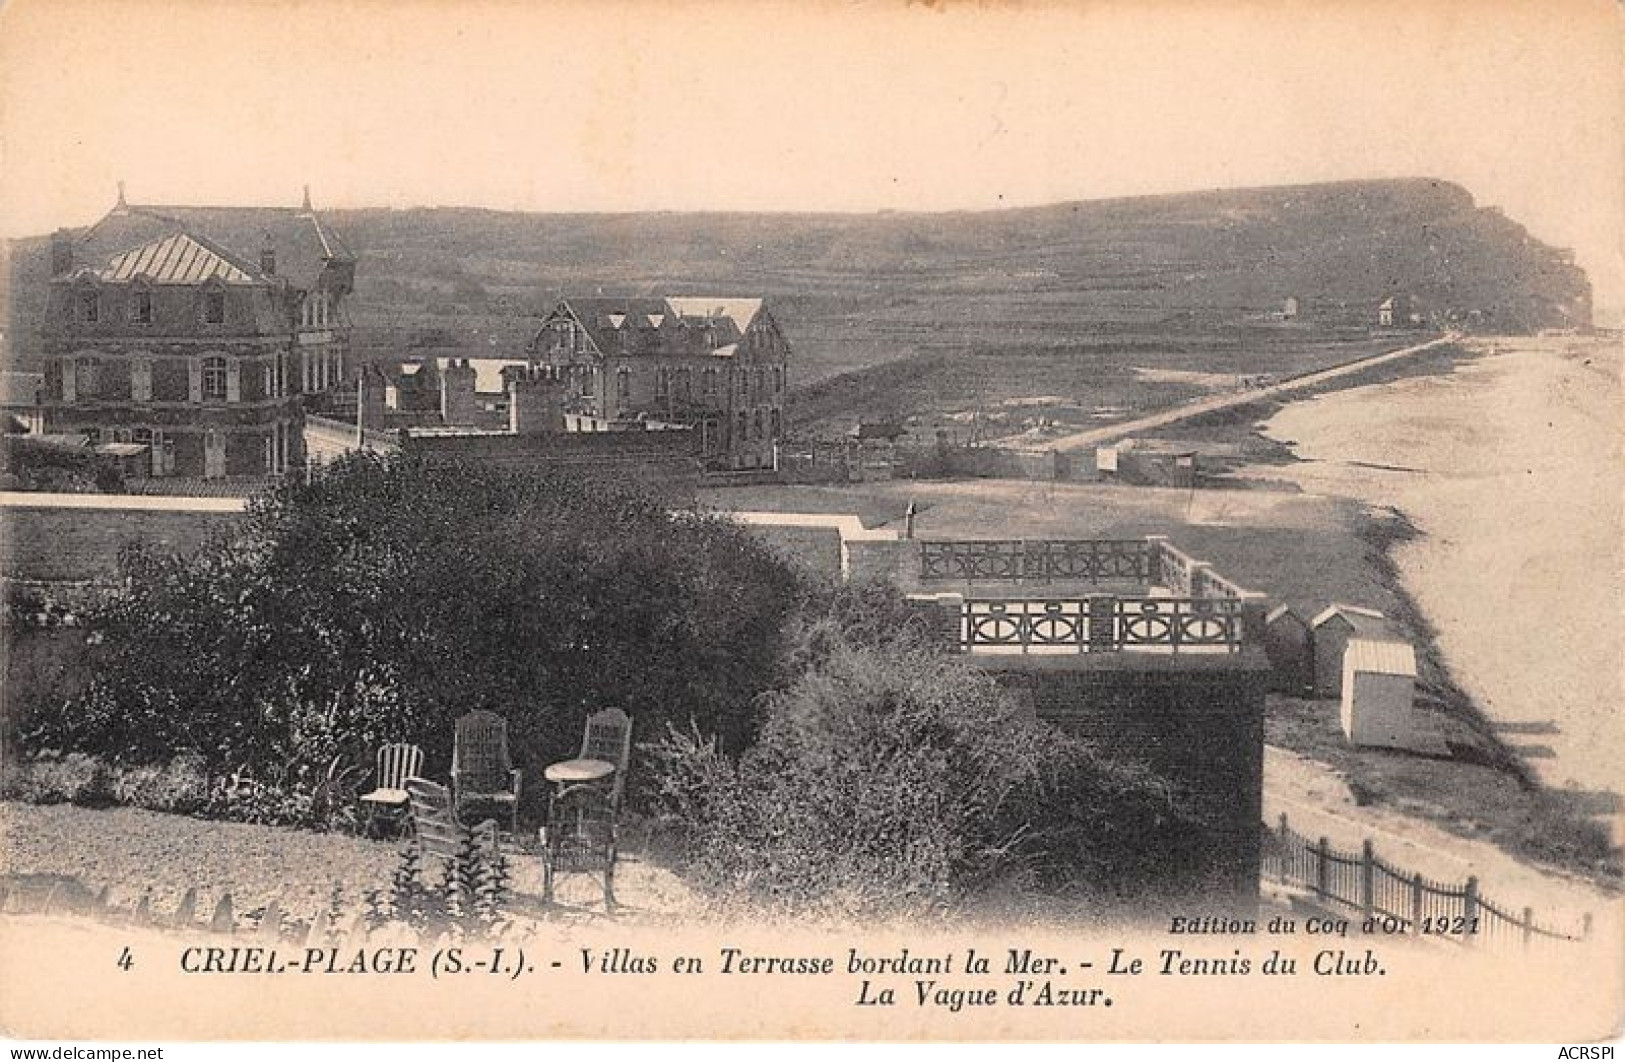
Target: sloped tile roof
680	323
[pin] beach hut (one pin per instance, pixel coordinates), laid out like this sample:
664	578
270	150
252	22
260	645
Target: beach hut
1379	684
1332	629
1289	644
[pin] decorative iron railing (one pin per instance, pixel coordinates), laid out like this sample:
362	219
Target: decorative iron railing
1015	560
1102	624
1401	902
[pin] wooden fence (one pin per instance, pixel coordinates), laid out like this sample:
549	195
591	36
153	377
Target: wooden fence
1362	882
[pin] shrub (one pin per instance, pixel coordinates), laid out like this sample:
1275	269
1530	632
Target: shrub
468	895
71	779
890	779
386	596
179	786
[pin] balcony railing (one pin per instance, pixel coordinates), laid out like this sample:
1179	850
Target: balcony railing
1043	560
1104	624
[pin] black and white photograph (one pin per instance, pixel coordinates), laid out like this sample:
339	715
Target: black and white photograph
885	521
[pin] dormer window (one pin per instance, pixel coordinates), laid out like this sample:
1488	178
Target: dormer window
214	307
90	305
141	306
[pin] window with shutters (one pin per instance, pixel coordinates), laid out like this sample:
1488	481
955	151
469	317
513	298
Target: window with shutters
214	379
87	377
141	380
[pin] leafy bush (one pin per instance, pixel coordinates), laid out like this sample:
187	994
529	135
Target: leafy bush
890	779
387	596
180	786
72	779
469	894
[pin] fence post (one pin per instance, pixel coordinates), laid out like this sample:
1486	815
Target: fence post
1102	624
1416	902
224	921
1528	925
1283	827
1323	859
1368	875
1469	906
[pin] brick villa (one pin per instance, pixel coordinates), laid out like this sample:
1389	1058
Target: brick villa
719	365
196	332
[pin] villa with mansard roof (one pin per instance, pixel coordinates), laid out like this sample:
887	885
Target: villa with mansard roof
197	332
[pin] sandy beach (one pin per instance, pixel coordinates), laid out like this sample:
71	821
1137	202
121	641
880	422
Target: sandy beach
1512	468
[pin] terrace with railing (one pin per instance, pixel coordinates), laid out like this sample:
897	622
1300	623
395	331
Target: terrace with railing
1072	597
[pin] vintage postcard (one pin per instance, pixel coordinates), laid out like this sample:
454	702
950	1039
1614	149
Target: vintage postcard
1040	521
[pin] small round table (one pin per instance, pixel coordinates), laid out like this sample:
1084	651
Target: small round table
572	772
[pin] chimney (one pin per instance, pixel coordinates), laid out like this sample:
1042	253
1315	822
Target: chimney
536	401
61	252
306	205
457	405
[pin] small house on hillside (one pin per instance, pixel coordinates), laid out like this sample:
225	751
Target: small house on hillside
1332	630
1400	311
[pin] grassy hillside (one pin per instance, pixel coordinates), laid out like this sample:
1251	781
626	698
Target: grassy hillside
1068	295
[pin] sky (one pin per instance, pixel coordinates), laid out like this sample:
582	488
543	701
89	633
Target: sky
812	105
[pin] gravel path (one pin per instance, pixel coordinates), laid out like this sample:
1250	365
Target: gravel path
133	852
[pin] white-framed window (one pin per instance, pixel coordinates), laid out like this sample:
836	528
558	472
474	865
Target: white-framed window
662	383
708	383
214	379
141	306
623	384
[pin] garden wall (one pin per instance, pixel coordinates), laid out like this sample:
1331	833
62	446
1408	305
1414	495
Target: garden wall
77	537
1198	721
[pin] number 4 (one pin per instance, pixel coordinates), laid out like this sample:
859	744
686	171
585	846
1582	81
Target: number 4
125	959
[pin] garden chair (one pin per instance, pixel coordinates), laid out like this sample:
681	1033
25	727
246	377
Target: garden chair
435	826
482	772
396	763
608	737
580	840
